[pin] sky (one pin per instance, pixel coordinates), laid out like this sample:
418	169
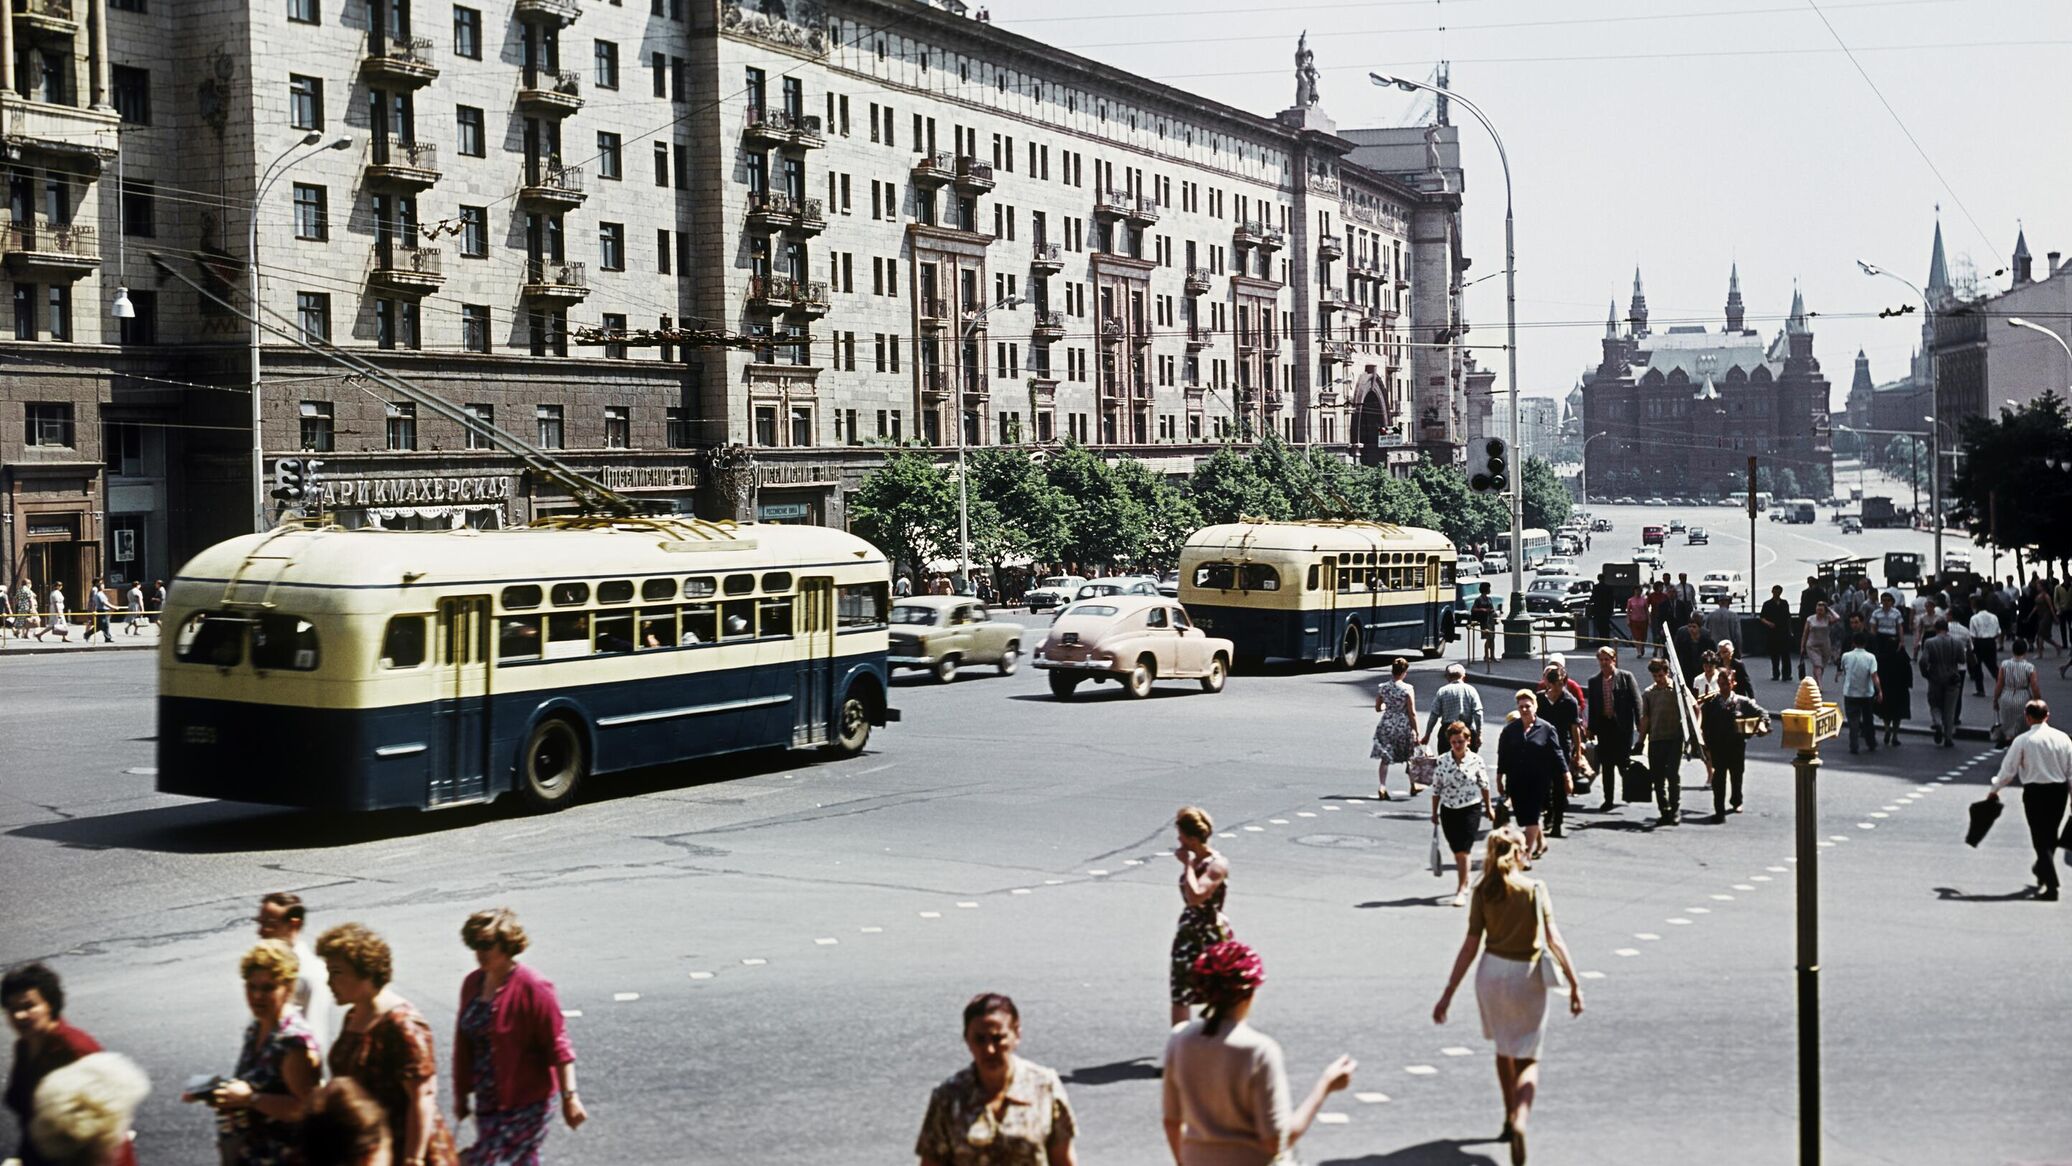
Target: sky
1679	136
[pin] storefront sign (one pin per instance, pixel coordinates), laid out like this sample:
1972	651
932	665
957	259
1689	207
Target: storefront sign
342	493
51	530
646	477
796	473
782	511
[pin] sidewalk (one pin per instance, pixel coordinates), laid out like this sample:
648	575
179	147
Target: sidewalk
145	639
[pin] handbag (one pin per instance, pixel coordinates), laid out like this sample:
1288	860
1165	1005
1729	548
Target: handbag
1424	768
1549	969
1438	858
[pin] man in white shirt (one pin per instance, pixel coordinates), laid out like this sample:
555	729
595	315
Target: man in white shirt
1985	646
2041	759
281	916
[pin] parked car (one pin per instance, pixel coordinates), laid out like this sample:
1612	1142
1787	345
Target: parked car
1717	583
1697	536
1053	591
1626	500
1118	585
942	633
1558	598
1658	500
1494	563
1135	640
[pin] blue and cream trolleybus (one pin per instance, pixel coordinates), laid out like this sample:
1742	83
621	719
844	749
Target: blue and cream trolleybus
1319	590
367	669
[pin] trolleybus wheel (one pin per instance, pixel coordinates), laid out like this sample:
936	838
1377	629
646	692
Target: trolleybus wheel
853	730
554	765
1349	648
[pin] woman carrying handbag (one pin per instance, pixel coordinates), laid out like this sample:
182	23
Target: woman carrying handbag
1460	801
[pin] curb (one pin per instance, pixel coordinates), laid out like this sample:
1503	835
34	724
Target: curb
62	649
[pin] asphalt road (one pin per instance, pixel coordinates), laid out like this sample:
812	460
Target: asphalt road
765	958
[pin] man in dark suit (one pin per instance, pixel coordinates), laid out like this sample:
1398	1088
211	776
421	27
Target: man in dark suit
1691	645
1614	703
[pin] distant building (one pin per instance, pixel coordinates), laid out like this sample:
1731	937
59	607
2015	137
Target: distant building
1981	363
1539	423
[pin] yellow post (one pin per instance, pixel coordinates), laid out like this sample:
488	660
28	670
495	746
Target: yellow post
1806	725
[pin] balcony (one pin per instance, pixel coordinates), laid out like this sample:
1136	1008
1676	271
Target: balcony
555	12
1199	337
552	282
404	61
1330	299
1143	212
1047	259
1330	247
932	314
1337	351
809	300
935	383
559	187
975	383
404	167
1111	329
82	138
782	127
1113	204
974	176
1199	281
1142	392
412	270
62	251
933	170
1140	335
551	94
1247	342
1248	233
47	19
774	210
773	293
1050	325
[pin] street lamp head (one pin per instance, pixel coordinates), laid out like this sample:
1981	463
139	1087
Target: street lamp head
312	138
1870	268
2017	322
122	309
340	144
1398	82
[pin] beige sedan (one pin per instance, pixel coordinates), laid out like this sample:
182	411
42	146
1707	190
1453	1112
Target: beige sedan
942	633
1134	639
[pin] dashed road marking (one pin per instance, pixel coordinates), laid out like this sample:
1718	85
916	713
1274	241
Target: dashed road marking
1649	935
572	1013
1255	829
1838	838
968	905
1626	951
754	962
1593	975
1053	882
1420	1070
1775	869
827	941
1278	821
625	997
1678	920
1329	809
701	975
1370	1098
1722	898
1697	910
1225	834
1878	814
1455	1051
1743	887
871	930
1304	814
1866	825
1021	891
1332	1119
931	914
1133	862
1759	878
1823	842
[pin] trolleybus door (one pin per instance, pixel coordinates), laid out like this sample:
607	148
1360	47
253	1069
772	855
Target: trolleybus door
1433	604
461	722
814	634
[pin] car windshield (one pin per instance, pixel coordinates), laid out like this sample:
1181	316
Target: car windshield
1718	577
1548	584
1101	610
913	613
1056	581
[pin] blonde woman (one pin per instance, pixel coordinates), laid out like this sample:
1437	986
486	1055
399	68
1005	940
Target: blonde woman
259	1110
1513	914
1204	880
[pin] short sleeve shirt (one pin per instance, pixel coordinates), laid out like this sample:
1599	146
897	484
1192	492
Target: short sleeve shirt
1460	783
1859	667
960	1128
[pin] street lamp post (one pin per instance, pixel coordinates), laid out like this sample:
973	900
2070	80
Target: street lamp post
1934	401
978	317
1518	625
2018	322
1585	477
273	171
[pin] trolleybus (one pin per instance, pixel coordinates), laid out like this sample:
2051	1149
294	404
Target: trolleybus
1319	590
366	669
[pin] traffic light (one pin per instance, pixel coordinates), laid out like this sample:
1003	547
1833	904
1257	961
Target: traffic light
295	480
1495	476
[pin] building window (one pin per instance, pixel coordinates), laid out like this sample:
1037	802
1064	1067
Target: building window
474	232
402	425
608	157
607	65
472	139
61	311
474	327
304	11
305	102
611	245
139	209
50	423
618	427
679	425
396	324
548	425
661	163
25	311
801	425
319	434
313	314
132	94
766	425
547	332
141	328
486	414
614	324
311	220
467	33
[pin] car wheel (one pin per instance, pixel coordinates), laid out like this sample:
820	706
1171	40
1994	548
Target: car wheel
945	669
1350	647
853	730
1138	682
1218	672
554	765
1062	684
1011	659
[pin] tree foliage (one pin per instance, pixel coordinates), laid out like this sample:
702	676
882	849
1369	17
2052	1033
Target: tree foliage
908	508
2004	492
1464	516
1169	513
1545	498
1026	516
1104	524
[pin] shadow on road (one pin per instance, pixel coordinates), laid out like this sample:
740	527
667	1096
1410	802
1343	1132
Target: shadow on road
1953	895
1135	1069
1442	1152
1625	826
1413	901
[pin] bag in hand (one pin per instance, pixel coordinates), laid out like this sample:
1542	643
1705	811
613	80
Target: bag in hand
1984	813
1438	855
1424	768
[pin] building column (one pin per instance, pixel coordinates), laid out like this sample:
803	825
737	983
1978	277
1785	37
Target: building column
7	50
97	52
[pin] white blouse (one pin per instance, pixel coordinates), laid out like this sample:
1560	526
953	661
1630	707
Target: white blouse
1460	783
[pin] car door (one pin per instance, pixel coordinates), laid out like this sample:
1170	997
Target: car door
1190	644
983	635
1158	634
962	635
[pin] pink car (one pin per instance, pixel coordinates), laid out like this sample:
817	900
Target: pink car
1134	639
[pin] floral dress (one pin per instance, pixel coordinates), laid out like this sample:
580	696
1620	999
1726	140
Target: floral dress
503	1137
392	1060
1394	735
1201	927
961	1129
246	1136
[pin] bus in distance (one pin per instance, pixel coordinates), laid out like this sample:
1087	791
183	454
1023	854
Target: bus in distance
1539	547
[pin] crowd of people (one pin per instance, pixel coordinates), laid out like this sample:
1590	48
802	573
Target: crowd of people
512	1064
24	614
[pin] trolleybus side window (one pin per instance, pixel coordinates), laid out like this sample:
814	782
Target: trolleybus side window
614	633
402	645
568	634
657	627
653	589
212	637
699	587
1259	577
1314	573
1220	576
775	617
284	642
740	584
521	596
737	618
777	581
615	591
518	637
700	623
571	594
860	605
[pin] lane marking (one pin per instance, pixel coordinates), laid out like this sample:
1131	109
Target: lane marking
1330	809
1304	814
754	962
1098	873
968	905
625	997
1824	843
1838	838
871	930
1225	834
1021	891
1420	1070
1278	821
1648	935
701	975
1626	951
931	914
1866	825
1133	862
1775	869
1722	898
572	1013
1742	887
1332	1119
1053	882
827	941
1371	1098
1879	814
1593	975
1679	920
1455	1051
1759	878
1255	829
1697	910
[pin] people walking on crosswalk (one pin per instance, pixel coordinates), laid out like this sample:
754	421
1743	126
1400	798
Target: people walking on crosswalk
1662	734
1204	882
2041	759
1720	718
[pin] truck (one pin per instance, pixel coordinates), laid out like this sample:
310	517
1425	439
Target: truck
1879	513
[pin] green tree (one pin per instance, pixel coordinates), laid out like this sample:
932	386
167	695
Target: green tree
1104	524
1546	500
1290	475
1907	458
1467	518
1026	516
908	509
1169	514
1388	498
1787	483
1227	486
2004	492
1820	482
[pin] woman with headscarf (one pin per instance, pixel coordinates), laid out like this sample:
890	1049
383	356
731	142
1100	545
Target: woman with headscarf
1512	913
1000	1110
1896	685
1204	880
1226	1089
511	1053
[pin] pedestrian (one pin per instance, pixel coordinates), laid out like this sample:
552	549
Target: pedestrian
1460	801
1225	1082
1686	596
2044	615
1456	700
58	620
283	916
1707	681
342	1126
1637	618
1816	642
2061	602
1482	613
1776	620
1811	596
1691	645
511	1052
1558	706
2013	688
2041	759
999	1109
386	1045
1895	687
1204	883
25	608
1614	720
85	1110
44	1043
1730	661
1661	733
97	608
135	597
1985	645
1887	622
1942	666
1726	750
1395	734
1721	623
1529	764
259	1108
1601	612
1514	917
1661	615
1861	691
157	601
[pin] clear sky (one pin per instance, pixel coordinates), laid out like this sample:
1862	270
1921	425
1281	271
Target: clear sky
1679	135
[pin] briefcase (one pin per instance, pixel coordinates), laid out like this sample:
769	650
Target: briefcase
1983	814
1635	784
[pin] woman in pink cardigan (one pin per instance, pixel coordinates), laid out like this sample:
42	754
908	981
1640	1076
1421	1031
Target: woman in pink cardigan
510	1050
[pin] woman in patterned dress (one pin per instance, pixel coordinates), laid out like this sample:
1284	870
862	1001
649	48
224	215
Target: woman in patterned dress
386	1046
510	1048
259	1110
1204	878
1000	1110
1396	733
1460	800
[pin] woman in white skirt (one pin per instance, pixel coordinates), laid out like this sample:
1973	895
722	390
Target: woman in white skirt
1511	983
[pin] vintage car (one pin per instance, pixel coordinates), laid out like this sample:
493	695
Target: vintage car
942	633
1118	585
1558	599
1718	583
1053	591
1134	639
1649	555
